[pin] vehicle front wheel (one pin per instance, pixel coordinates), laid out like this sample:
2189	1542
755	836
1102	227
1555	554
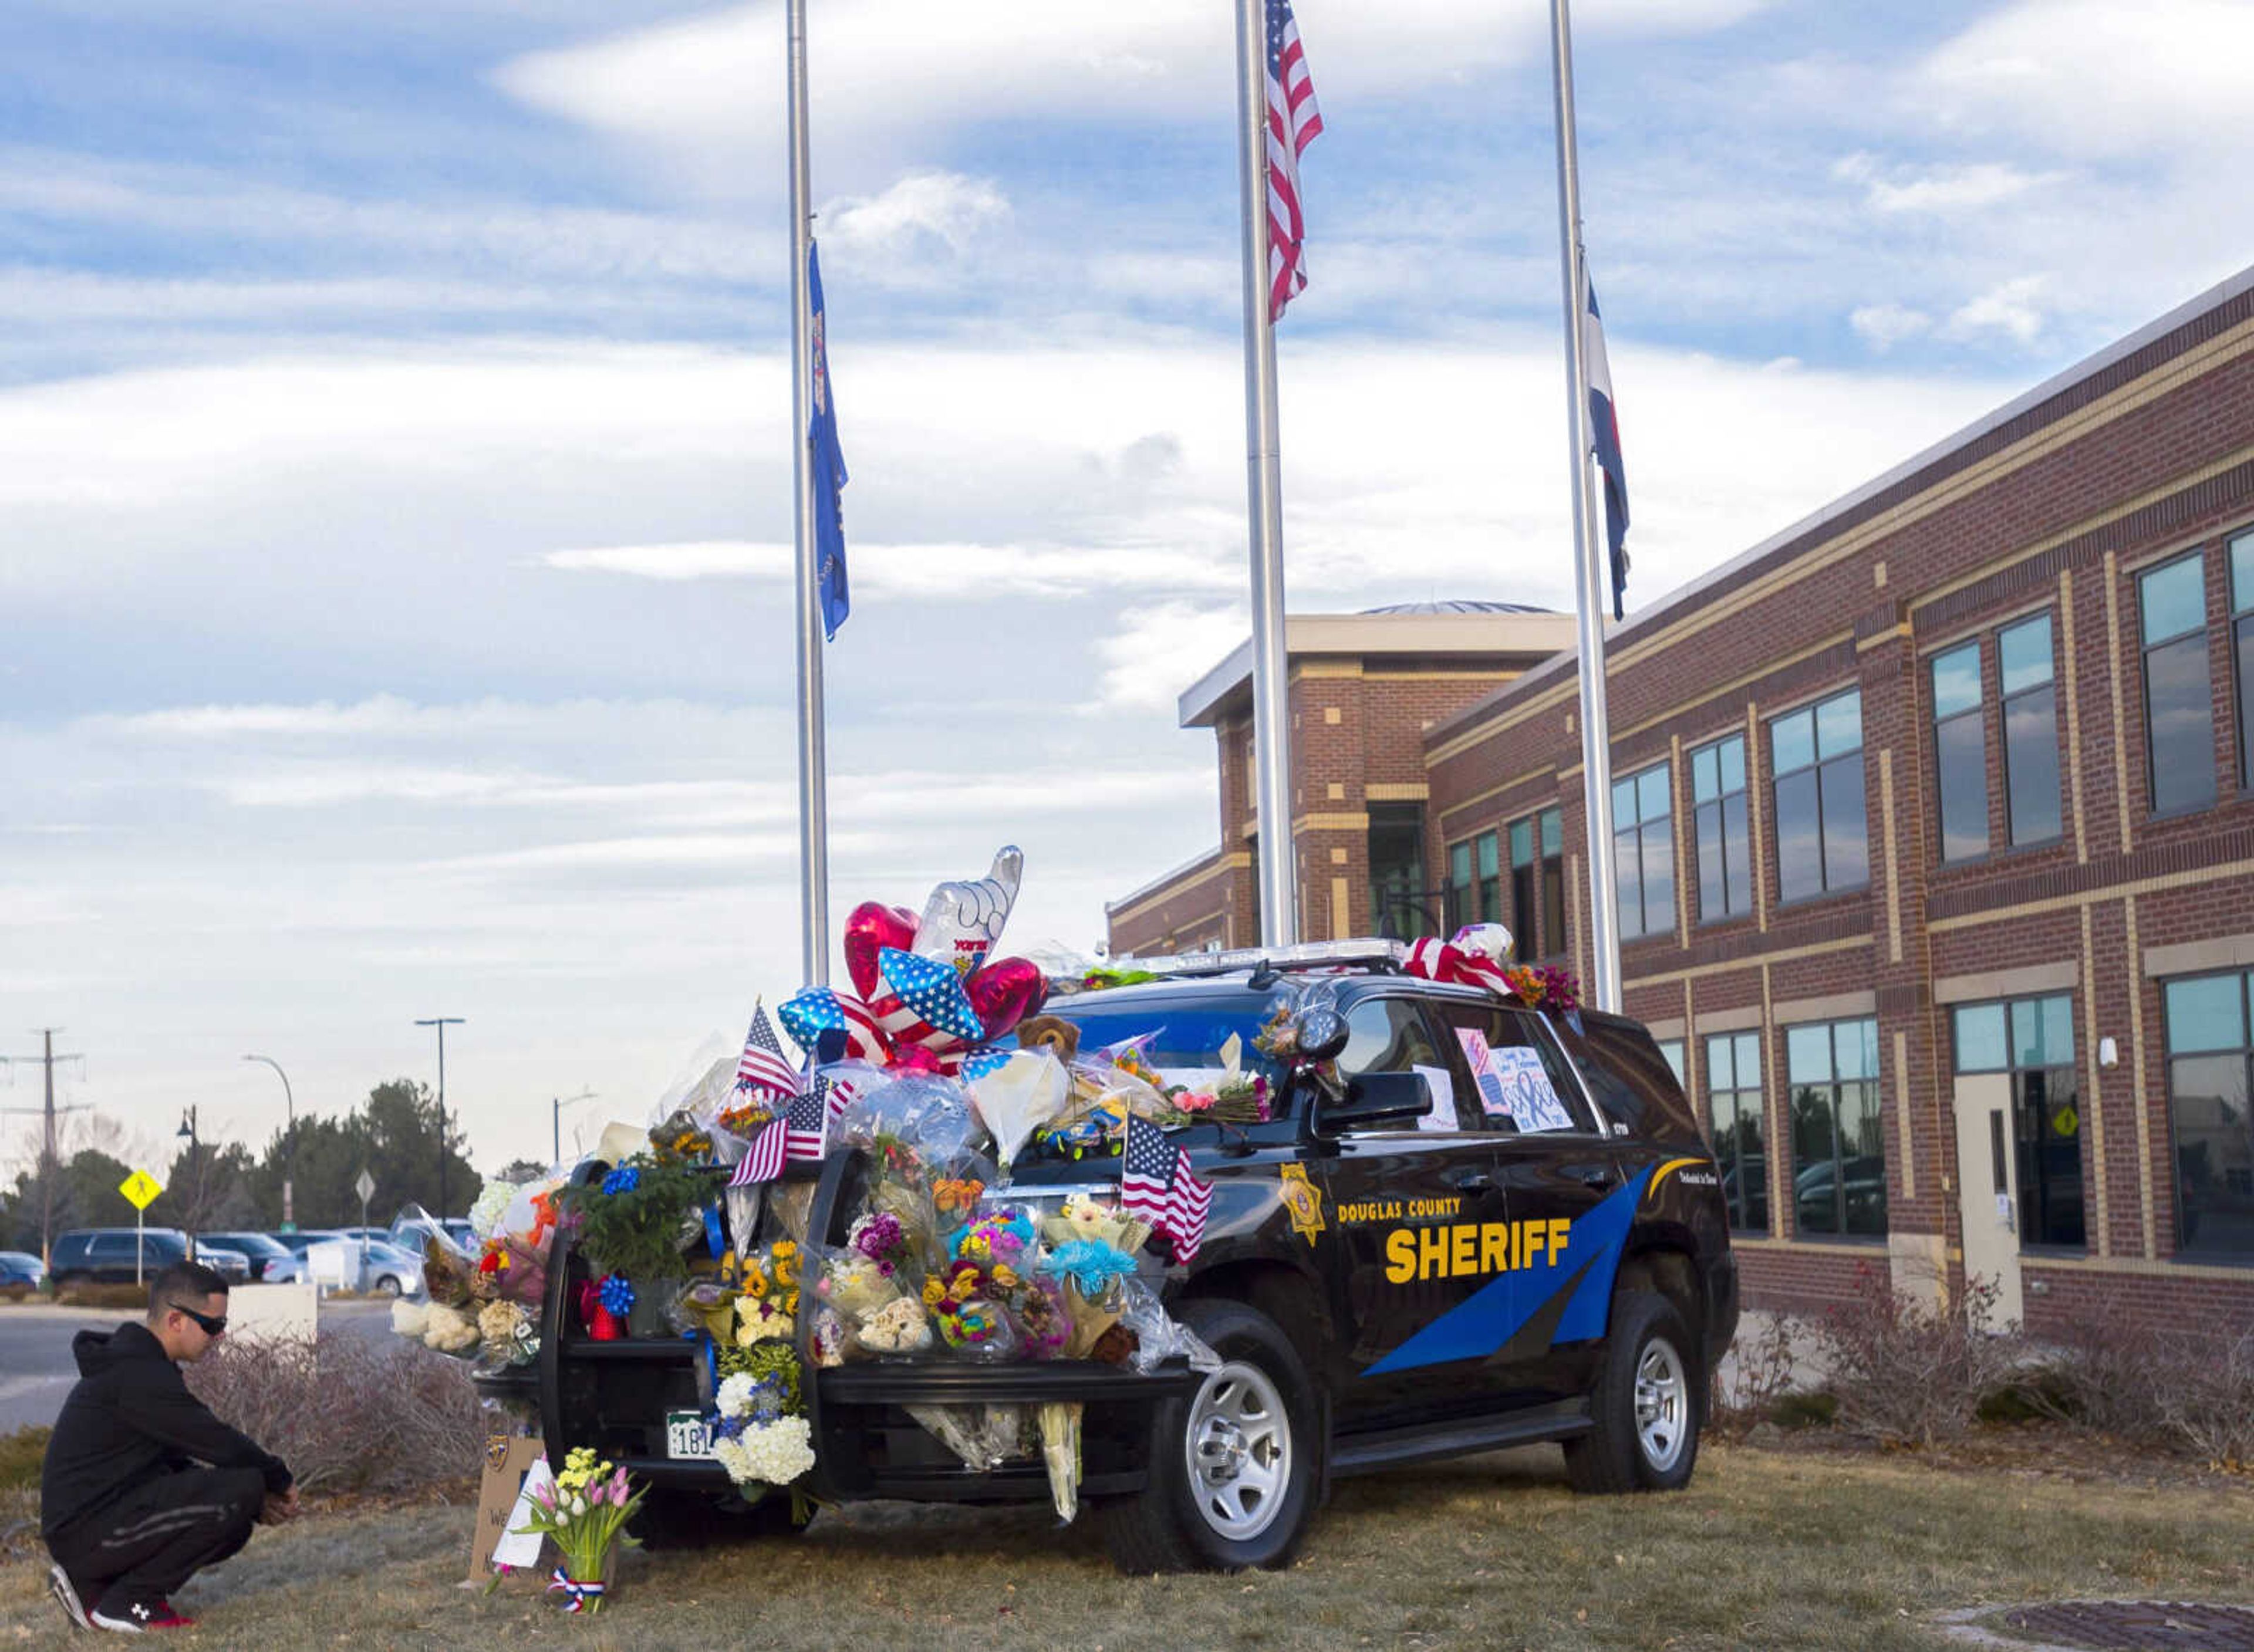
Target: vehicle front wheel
1232	1468
1647	1405
387	1286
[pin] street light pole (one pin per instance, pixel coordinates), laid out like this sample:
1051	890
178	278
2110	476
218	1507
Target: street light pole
441	1022
193	1212
289	1142
556	1122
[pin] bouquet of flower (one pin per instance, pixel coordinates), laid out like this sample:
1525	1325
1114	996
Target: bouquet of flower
1544	986
584	1511
758	1435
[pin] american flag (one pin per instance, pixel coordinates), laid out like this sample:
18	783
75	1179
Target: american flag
764	1161
1294	120
808	1122
1157	1186
762	1067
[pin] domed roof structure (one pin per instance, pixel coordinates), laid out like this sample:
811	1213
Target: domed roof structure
1458	605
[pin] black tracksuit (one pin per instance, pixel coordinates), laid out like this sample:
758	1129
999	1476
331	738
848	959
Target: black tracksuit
123	1505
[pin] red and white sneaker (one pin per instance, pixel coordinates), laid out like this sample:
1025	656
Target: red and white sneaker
141	1615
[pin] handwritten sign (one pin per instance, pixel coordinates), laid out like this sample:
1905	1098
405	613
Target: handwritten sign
1513	1083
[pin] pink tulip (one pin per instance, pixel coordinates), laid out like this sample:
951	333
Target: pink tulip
619	1487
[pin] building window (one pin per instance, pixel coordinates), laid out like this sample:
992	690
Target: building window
1838	1137
2033	1041
1474	888
2179	694
2241	647
1960	752
1670	1051
1398	899
1740	1126
1537	885
1643	852
1718	808
1816	753
2030	809
2209	1090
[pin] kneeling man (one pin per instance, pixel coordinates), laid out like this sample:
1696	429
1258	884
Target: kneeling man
142	1486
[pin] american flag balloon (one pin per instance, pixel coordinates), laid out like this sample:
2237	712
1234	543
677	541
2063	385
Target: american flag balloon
923	1003
807	1014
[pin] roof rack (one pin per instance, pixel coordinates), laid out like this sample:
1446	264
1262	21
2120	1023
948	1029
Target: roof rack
1377	956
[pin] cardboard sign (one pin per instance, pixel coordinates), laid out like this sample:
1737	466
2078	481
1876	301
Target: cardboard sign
1443	1087
509	1461
1513	1083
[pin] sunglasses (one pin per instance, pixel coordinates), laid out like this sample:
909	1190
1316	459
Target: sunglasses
209	1324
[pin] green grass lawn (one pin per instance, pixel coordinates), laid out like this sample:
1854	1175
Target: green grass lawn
1766	1549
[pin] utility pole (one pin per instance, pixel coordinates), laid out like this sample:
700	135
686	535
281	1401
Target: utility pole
556	1155
289	1143
441	1022
50	1160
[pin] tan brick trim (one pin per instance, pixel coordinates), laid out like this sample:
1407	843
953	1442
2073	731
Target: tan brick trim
2094	1090
2144	1113
1358	822
1908	1163
1805	1247
1894	869
1686	877
1512	784
2152	886
1774	1108
1325	669
1671	1028
1341	911
1397	792
1813	949
1835	1006
2146	1268
2113	664
2008	983
1756	794
2191	958
1742	1019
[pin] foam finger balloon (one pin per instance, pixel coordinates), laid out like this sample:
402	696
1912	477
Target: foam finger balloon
961	921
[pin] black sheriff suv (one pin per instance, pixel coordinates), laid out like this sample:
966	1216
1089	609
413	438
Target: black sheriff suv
1493	1227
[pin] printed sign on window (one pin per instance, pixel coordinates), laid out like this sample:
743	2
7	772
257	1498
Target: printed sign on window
1513	1083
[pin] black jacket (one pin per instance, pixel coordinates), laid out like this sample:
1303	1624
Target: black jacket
131	1416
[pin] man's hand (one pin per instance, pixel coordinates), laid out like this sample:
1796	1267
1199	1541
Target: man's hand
278	1507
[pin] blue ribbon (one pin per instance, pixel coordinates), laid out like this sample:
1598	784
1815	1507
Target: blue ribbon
716	1243
577	1596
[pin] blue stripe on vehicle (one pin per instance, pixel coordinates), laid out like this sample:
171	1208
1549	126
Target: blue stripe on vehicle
1500	1309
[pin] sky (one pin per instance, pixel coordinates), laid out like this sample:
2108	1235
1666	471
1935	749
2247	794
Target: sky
394	489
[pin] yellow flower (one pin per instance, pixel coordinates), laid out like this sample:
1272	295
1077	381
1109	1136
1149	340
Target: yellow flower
755	1281
1006	1276
784	1250
790	1303
933	1291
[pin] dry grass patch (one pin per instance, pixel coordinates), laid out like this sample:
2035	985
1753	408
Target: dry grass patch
1765	1549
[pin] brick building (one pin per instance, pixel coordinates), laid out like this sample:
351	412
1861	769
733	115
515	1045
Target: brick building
1935	825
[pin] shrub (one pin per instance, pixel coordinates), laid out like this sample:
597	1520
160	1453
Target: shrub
1760	1376
351	1413
1910	1371
22	1455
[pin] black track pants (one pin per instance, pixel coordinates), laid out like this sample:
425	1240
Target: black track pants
158	1534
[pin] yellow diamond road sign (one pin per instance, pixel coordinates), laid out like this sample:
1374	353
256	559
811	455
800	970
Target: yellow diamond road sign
141	1187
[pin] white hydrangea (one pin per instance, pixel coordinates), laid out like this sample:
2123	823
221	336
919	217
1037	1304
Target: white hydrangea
492	1199
772	1454
735	1397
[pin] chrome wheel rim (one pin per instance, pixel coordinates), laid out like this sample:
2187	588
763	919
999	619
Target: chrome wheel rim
1663	1405
1239	1452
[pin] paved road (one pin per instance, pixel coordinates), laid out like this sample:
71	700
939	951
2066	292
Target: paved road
37	1370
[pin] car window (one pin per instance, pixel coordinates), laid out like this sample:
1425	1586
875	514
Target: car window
106	1245
1630	1079
1522	1078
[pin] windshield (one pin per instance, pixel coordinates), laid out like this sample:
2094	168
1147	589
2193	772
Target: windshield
1186	1043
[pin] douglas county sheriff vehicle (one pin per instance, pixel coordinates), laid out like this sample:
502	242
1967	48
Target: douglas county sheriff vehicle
1491	1227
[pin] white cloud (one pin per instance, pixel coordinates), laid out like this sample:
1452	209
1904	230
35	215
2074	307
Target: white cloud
1940	189
2014	308
1154	653
1884	326
922	206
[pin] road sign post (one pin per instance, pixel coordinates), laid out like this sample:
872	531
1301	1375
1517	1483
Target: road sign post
365	1188
140	1189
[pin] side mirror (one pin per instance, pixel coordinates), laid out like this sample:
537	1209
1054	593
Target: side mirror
1374	1102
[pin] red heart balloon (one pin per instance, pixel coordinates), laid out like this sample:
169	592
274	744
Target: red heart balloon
1004	992
870	927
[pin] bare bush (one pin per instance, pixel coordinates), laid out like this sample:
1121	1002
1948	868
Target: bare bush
2206	1397
1761	1373
350	1412
1910	1371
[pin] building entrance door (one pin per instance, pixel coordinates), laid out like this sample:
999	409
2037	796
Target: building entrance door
1987	1188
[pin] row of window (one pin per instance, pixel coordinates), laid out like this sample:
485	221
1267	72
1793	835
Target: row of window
1996	691
1837	1134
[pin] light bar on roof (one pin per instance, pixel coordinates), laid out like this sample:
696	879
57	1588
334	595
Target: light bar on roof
1301	956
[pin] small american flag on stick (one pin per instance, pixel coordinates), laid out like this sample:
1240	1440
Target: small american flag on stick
1157	1186
1294	120
764	1161
762	1066
808	1122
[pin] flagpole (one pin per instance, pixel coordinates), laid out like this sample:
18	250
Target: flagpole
1588	581
1279	921
813	777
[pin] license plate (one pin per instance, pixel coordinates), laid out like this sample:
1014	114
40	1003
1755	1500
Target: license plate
687	1434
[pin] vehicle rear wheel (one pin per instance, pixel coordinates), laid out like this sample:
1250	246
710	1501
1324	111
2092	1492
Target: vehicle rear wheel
1232	1468
1647	1404
387	1286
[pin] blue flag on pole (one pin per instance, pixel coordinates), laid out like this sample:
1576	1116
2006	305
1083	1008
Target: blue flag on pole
829	471
1604	423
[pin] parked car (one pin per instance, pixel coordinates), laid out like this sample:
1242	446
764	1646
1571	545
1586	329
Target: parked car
350	1261
270	1262
231	1265
113	1256
21	1273
409	1232
1494	1227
